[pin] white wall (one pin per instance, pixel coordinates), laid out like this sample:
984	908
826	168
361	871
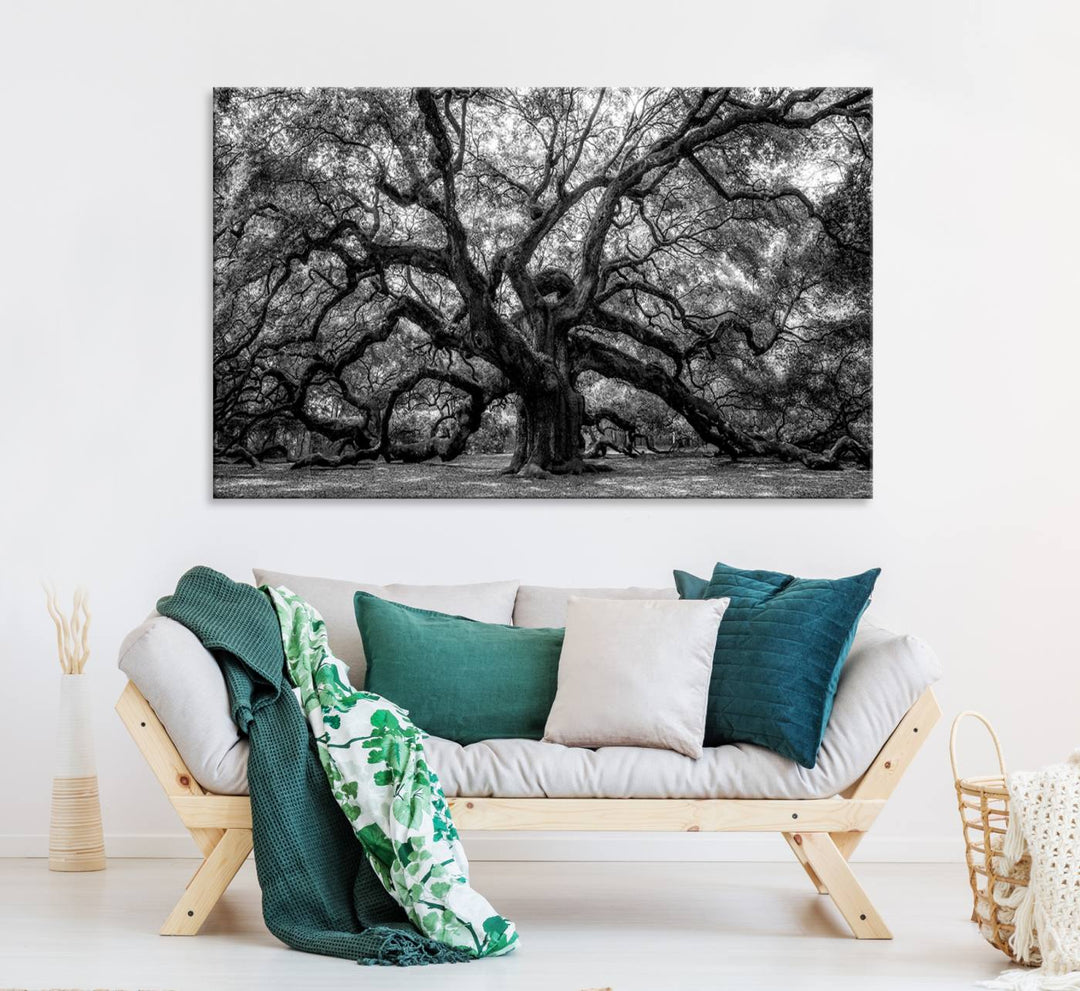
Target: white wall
105	378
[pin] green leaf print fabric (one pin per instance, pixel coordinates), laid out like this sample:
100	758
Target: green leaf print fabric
374	759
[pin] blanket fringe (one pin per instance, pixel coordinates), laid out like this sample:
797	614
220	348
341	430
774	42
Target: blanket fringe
1014	847
1022	900
1033	980
392	946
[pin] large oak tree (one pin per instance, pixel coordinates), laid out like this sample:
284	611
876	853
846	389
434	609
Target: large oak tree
573	255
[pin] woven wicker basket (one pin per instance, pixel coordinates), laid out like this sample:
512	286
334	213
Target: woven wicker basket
984	812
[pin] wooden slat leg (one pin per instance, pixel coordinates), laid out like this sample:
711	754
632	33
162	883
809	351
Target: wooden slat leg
164	759
846	892
794	841
208	884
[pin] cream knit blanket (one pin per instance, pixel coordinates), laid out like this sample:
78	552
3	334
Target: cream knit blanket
1044	821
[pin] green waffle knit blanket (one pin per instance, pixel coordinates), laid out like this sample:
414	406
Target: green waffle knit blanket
320	894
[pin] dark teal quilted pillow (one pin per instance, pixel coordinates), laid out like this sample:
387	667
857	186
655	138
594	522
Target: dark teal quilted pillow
781	645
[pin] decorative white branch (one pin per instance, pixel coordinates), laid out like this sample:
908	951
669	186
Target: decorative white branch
72	632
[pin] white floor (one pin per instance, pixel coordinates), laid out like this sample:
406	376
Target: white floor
624	926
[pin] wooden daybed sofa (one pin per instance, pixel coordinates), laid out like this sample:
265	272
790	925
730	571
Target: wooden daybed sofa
884	693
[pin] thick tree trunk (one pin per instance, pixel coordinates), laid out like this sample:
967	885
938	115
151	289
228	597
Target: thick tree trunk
551	412
553	421
550	440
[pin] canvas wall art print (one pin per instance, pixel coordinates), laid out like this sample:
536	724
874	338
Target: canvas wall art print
542	293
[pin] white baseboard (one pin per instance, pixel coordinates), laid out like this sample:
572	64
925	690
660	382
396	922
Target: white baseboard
657	847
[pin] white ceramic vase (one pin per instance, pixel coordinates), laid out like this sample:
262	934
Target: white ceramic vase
76	841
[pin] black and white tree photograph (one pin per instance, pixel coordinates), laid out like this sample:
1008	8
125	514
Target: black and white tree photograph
542	293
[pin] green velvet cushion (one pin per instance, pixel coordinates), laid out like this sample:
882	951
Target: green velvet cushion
779	652
690	586
459	679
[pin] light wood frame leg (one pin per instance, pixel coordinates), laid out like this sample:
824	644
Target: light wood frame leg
828	863
878	782
208	884
224	849
884	774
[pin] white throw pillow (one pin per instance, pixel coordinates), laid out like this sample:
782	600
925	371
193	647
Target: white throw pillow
486	602
635	673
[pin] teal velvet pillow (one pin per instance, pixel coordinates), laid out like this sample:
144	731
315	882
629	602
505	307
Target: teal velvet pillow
690	586
459	679
779	652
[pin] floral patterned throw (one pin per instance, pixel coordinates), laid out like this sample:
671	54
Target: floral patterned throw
374	759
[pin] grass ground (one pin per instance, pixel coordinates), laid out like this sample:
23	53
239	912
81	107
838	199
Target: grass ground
678	476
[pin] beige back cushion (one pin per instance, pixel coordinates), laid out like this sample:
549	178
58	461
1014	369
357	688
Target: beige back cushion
488	602
545	605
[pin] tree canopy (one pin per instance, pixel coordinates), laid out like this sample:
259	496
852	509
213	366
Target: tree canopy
400	274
